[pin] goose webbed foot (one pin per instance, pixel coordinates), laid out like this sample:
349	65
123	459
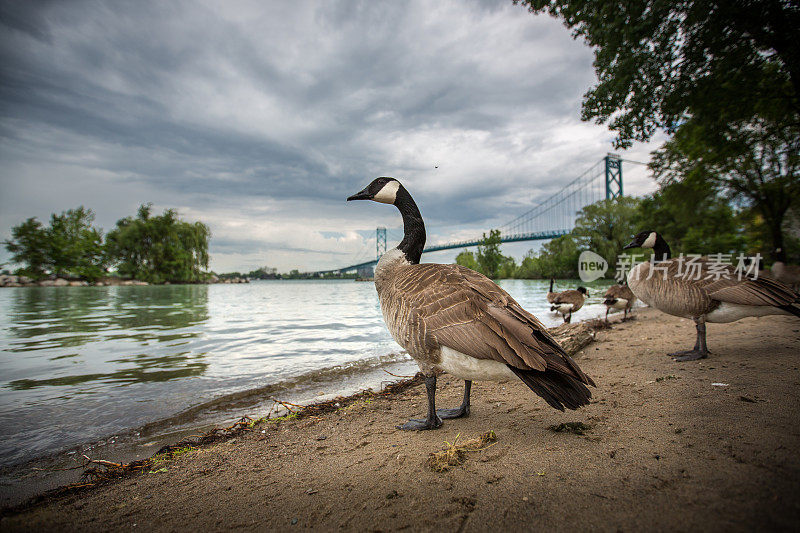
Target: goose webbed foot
690	355
458	412
433	421
463	410
417	424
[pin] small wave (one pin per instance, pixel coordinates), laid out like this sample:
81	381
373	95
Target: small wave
249	397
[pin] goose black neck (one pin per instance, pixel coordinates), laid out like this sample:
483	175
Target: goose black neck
413	228
551	285
661	249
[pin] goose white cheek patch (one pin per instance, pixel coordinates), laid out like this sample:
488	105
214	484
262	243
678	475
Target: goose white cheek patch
650	242
388	193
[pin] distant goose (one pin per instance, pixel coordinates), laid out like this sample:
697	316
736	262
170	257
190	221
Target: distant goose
619	297
452	319
788	274
677	289
551	296
568	302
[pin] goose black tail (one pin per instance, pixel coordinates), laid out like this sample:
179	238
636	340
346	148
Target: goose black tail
558	390
791	308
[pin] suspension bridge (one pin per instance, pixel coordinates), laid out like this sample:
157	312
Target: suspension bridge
551	218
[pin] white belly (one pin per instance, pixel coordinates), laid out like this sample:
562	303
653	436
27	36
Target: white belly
621	303
563	308
466	367
727	312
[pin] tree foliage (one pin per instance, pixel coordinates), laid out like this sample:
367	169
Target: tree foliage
69	247
489	256
467	259
756	163
159	248
659	63
605	227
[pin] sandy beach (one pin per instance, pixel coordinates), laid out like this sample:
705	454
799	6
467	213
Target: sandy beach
711	445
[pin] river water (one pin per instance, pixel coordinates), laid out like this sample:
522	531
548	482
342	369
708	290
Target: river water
85	365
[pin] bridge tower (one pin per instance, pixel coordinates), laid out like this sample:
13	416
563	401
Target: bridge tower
613	176
380	242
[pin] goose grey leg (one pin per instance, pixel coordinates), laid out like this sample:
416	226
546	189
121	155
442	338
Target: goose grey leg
433	421
459	412
568	318
607	308
700	350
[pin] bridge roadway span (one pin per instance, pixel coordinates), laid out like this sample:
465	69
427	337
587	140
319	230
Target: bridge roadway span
536	236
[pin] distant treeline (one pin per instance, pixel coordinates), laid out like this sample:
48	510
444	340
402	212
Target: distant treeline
272	273
692	218
150	248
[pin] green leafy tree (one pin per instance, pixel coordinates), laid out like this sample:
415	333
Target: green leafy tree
159	248
74	247
658	63
467	259
605	227
756	164
28	247
558	258
693	218
69	247
489	256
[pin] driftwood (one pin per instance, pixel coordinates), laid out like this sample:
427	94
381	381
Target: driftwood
574	337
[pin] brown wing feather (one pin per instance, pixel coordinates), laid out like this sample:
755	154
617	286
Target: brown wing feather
469	313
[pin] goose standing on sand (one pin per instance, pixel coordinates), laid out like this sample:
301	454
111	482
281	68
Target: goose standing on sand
452	319
551	296
703	290
568	302
619	297
788	274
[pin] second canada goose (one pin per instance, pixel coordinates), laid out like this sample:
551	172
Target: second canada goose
786	273
551	296
696	291
619	297
568	302
452	319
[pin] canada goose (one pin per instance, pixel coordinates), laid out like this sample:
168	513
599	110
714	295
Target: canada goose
567	302
452	319
551	296
788	274
619	297
694	290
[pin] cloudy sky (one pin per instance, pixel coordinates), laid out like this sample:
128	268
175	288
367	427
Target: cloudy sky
259	118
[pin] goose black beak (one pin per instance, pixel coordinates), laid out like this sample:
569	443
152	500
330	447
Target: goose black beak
363	195
632	244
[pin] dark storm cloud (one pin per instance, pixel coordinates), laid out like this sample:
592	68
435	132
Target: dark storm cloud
214	106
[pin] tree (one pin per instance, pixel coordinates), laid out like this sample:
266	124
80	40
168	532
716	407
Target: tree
660	63
159	248
74	247
558	258
467	259
756	163
489	256
605	227
28	247
68	247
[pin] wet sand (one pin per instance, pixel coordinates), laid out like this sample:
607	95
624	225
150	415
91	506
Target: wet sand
710	445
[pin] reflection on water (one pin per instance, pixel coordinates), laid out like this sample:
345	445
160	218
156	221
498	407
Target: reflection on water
81	363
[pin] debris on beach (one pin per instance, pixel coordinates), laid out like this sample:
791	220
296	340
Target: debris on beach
453	454
578	428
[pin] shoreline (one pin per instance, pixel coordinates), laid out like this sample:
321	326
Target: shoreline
703	445
124	449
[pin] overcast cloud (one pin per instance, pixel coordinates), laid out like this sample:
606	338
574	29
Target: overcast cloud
259	118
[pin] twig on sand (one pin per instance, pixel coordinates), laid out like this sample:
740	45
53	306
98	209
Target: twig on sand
397	375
